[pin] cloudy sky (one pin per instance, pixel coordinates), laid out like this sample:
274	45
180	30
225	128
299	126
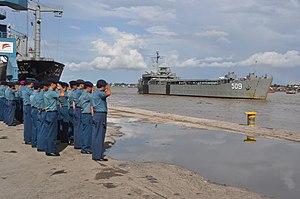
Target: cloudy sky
203	39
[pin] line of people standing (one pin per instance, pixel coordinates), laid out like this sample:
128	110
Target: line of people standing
74	113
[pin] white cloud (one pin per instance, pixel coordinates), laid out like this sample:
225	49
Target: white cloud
208	62
212	34
138	14
161	30
271	59
274	59
121	54
219	36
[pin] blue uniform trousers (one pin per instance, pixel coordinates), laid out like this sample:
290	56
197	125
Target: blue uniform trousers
41	137
27	123
2	105
19	110
71	126
5	115
64	124
34	118
77	128
10	112
98	135
86	134
51	132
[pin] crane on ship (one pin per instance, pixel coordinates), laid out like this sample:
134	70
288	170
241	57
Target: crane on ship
11	71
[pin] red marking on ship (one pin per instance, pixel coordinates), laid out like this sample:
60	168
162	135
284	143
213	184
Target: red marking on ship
5	46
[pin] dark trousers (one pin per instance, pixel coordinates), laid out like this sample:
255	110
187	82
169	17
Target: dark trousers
2	105
51	132
41	136
86	134
19	110
34	118
98	135
5	115
10	112
71	126
77	128
63	124
27	123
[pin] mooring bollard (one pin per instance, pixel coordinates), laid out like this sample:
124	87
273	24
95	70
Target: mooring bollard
250	118
250	139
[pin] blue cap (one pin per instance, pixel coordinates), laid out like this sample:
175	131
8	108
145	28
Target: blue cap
101	83
73	83
52	80
64	84
37	85
80	81
45	83
88	84
11	84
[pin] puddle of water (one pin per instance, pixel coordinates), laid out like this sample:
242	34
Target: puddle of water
267	166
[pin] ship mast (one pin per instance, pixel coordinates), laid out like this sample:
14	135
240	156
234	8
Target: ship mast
38	9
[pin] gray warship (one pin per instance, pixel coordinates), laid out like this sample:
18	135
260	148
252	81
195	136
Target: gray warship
164	82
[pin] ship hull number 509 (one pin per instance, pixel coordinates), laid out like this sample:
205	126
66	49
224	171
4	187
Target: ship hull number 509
236	86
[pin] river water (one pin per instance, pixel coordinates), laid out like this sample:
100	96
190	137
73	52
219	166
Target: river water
269	167
280	110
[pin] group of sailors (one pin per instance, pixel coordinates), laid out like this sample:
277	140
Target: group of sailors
74	113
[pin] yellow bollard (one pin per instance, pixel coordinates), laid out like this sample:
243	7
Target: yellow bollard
250	118
250	139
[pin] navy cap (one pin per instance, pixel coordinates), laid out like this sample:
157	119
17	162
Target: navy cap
101	83
45	83
88	84
3	82
80	81
11	84
73	83
54	81
37	85
64	84
28	81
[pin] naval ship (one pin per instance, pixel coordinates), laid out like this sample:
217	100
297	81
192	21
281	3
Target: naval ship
164	82
29	61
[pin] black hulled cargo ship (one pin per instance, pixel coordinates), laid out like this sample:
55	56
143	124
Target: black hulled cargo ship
29	64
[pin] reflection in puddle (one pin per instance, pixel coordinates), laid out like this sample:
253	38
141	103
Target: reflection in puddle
266	166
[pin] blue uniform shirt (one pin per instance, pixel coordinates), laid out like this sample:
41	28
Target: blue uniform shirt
26	92
33	101
2	91
64	100
99	101
50	99
70	97
85	102
40	100
10	94
76	94
20	89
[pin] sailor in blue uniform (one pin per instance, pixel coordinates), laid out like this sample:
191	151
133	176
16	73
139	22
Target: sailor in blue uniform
73	85
51	125
41	137
26	92
2	99
10	104
64	115
77	114
19	104
86	118
34	113
99	105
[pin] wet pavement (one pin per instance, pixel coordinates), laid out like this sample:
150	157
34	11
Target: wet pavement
269	167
